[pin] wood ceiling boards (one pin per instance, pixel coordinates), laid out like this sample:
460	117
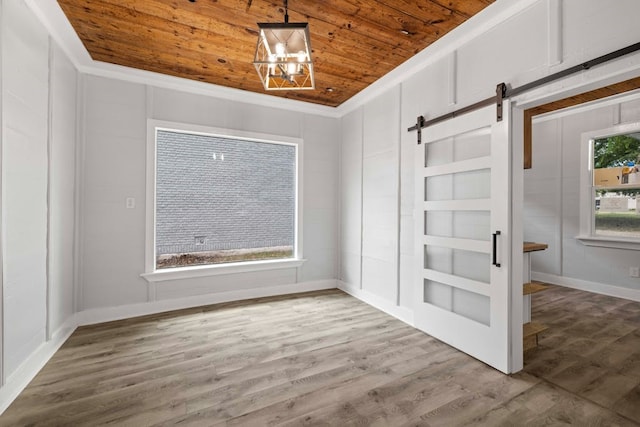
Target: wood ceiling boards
354	42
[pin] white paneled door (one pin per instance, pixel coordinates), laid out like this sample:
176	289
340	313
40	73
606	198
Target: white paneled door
463	234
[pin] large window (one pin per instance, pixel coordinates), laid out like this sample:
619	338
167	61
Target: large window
221	198
613	187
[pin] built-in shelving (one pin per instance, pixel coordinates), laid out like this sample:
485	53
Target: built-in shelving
530	333
533	287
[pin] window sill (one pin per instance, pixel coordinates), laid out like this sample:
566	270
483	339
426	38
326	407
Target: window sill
215	270
610	242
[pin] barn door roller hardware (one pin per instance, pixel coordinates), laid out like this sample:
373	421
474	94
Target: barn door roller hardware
503	91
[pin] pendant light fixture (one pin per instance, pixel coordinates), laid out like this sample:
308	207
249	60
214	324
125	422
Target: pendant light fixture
283	55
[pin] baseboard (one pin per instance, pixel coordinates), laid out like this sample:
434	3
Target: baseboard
17	381
585	285
108	314
400	313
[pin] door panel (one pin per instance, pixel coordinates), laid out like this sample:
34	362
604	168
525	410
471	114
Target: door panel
462	197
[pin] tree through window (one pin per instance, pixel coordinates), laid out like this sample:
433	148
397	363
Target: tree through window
616	181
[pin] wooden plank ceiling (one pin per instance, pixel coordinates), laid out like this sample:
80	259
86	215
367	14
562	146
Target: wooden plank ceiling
354	42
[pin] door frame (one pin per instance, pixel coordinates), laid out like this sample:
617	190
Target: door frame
611	73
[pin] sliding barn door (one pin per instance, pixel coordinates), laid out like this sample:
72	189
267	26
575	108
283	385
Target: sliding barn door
463	234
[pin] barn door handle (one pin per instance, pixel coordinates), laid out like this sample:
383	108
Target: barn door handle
495	248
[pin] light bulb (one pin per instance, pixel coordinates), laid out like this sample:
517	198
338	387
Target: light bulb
292	68
279	49
302	56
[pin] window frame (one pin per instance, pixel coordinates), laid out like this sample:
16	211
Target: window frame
152	274
587	190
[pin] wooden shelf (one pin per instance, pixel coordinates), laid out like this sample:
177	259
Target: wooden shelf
530	333
533	328
533	246
533	287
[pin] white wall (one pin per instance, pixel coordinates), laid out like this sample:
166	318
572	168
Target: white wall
114	144
548	36
25	75
380	195
38	173
351	198
62	154
552	200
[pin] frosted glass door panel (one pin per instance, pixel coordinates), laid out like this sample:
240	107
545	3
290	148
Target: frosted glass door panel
462	194
471	145
475	184
458	262
438	294
459	301
459	224
471	305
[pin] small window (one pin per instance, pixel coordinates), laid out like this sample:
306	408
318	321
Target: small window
220	198
617	185
613	188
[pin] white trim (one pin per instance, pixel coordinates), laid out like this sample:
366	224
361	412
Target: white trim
150	198
587	190
108	314
611	72
48	261
458	166
610	242
153	275
54	19
401	313
554	32
398	236
34	363
459	282
78	195
2	204
585	285
482	22
222	132
215	270
452	74
516	360
613	100
483	246
458	205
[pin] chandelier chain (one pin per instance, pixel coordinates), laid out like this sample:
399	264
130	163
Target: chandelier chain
286	11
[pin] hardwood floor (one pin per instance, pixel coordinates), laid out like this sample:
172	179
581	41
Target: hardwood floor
325	358
591	349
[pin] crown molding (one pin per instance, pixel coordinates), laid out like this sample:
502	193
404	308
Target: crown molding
54	19
478	24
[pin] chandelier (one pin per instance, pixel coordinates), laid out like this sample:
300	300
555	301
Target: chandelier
283	55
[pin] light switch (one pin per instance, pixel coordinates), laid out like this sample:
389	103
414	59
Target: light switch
130	203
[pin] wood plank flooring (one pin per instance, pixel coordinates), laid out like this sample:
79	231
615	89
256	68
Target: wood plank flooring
325	358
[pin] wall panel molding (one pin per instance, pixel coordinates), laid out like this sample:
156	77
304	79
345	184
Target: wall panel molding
554	32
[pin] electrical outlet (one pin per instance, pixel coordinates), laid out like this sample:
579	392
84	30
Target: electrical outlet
130	203
634	271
